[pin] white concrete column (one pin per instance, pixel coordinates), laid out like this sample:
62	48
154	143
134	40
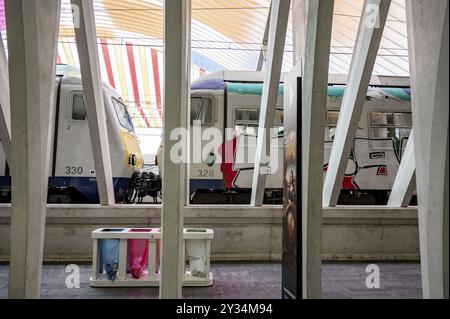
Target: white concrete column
428	37
5	109
446	223
86	37
32	28
176	103
260	63
405	181
370	31
277	36
314	102
299	18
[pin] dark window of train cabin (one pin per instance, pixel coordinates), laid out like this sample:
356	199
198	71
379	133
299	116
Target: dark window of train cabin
195	105
78	108
396	125
202	111
205	113
123	115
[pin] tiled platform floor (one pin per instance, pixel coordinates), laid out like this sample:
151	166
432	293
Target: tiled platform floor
238	280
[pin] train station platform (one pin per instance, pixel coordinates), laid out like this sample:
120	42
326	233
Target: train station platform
245	281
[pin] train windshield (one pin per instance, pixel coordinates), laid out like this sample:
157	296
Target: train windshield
123	115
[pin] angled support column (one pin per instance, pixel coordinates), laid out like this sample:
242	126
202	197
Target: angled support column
264	42
32	43
277	35
371	25
5	108
299	19
428	35
86	38
405	181
314	102
177	21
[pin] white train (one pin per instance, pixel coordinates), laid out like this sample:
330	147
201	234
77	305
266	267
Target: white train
72	170
232	100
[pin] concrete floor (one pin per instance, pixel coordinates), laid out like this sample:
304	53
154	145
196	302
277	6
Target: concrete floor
242	281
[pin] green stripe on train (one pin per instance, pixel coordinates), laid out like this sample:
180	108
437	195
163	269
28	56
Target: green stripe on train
334	92
249	88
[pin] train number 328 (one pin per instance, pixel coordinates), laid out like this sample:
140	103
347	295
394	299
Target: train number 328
74	170
205	173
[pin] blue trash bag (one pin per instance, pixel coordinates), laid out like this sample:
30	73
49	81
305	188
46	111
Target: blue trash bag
109	249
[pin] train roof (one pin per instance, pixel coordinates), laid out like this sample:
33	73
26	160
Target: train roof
243	82
258	76
71	75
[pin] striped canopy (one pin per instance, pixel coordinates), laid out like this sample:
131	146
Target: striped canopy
226	34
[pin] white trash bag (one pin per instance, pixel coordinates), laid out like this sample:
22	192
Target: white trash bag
196	250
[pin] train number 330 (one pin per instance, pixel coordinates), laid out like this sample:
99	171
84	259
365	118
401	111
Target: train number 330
74	170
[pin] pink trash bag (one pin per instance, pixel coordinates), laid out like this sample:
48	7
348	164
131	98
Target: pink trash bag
138	257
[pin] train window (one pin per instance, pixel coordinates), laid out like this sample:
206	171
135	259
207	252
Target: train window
78	108
246	115
202	110
195	105
246	121
403	119
279	118
381	119
332	117
205	114
396	125
247	129
251	116
123	115
330	127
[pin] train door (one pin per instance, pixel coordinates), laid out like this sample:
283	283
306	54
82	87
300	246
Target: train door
205	124
388	135
73	165
243	117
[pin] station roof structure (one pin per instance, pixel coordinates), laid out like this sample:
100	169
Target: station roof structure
226	35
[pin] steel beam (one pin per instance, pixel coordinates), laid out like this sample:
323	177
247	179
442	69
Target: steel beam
370	31
405	180
86	37
32	28
277	35
428	40
299	18
176	103
260	64
314	102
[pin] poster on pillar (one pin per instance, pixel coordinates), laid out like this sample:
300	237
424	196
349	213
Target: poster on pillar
291	263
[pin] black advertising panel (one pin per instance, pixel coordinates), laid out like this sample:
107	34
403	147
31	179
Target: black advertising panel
291	258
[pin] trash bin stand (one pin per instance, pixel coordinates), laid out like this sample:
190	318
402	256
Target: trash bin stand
153	263
152	277
95	259
123	279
